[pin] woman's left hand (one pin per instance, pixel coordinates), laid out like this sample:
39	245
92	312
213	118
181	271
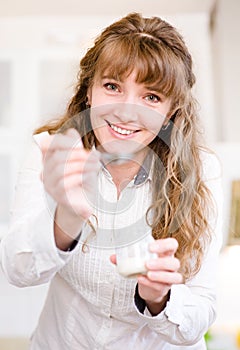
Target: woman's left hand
161	275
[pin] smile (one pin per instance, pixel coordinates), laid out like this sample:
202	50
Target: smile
121	131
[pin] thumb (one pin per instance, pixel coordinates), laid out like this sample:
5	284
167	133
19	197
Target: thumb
44	142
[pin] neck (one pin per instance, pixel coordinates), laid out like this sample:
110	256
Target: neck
122	174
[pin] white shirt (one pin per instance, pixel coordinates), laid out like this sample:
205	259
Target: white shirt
89	305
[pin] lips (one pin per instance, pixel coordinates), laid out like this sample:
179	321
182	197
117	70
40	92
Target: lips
120	130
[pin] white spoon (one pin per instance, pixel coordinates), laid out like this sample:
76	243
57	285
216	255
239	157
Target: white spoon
116	158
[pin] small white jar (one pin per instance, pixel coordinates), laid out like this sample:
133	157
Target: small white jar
131	258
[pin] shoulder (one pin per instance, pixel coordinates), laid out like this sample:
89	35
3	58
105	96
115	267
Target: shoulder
212	177
211	167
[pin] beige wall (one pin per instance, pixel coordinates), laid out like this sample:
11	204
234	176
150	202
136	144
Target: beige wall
226	59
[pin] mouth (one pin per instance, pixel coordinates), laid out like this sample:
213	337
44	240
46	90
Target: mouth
120	130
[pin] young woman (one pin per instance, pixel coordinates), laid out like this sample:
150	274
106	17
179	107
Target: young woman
133	97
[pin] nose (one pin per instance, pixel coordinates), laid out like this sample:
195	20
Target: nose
127	112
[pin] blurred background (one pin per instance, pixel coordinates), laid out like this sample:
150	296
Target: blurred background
41	43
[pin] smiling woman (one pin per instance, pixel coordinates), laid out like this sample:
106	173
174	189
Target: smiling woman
134	96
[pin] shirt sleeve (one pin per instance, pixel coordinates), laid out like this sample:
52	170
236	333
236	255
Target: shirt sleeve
29	255
191	308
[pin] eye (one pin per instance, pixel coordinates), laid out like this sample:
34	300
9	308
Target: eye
111	87
152	98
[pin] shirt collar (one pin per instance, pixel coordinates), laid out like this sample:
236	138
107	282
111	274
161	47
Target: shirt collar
144	172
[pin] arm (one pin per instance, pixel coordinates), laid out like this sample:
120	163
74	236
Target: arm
28	252
41	229
190	310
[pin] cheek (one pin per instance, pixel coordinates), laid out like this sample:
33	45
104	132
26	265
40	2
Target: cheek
98	123
99	130
97	117
153	122
97	97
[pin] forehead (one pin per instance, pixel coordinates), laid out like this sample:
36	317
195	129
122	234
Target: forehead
152	63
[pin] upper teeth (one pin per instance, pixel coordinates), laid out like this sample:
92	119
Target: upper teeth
121	131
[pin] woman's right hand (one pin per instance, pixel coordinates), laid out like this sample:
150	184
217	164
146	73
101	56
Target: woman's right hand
70	173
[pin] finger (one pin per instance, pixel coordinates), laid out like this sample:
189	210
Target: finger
83	164
166	263
166	246
77	181
69	182
73	133
113	259
165	277
156	286
62	157
77	168
65	169
73	138
71	155
60	186
62	160
70	140
83	155
45	142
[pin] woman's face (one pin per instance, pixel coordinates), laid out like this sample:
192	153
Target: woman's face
126	116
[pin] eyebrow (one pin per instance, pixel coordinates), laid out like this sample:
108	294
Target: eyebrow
110	78
153	88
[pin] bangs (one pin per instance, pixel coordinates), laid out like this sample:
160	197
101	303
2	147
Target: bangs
155	64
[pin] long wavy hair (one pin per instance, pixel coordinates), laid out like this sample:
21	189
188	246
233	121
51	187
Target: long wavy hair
157	52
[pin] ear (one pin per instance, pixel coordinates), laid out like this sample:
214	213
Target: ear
171	115
170	112
89	96
166	120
